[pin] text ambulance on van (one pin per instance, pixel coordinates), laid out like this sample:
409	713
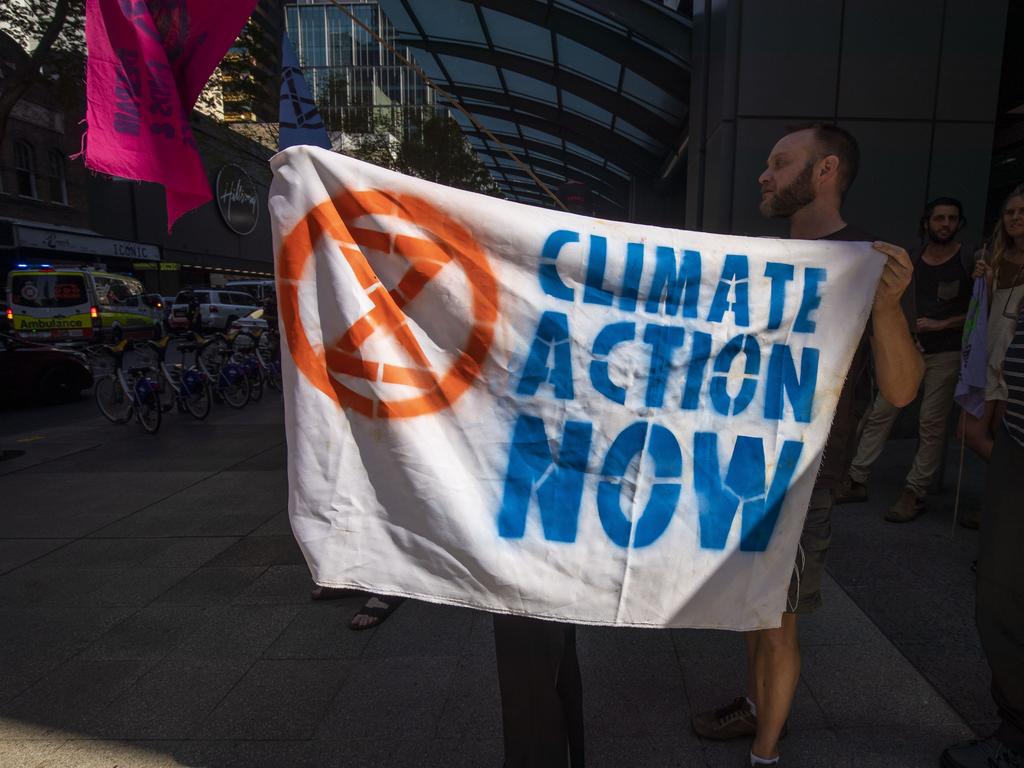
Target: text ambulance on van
78	304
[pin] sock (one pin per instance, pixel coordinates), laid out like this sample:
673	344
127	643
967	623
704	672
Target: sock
753	706
755	760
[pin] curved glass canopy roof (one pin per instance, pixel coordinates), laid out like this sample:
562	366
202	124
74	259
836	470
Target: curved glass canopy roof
585	90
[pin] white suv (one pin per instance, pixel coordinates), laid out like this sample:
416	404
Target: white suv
217	308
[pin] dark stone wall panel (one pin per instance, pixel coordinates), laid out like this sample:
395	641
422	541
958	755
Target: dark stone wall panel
890	58
769	60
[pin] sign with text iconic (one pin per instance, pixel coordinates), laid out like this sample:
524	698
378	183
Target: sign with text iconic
72	242
538	413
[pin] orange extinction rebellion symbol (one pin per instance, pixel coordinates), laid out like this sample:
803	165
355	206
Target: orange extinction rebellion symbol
427	240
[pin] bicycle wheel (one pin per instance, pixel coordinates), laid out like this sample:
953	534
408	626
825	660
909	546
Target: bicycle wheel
113	402
147	407
210	357
198	399
274	376
234	386
255	383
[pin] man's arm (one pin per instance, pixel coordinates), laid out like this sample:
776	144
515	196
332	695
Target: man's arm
898	363
925	324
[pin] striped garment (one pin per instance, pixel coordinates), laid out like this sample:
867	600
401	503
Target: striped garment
1013	372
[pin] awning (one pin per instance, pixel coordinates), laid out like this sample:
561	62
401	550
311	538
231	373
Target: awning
65	242
576	90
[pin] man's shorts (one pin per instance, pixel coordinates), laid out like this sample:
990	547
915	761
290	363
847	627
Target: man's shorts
805	586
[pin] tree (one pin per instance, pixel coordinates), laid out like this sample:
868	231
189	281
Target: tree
52	32
431	148
438	152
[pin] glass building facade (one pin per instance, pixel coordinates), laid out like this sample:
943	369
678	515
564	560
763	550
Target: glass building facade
357	82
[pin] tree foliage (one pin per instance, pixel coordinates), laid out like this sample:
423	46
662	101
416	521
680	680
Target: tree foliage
52	33
432	148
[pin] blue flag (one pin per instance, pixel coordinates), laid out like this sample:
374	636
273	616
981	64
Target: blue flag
299	118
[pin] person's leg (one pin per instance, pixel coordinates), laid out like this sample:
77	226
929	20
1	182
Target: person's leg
999	613
570	691
778	672
1000	587
375	611
977	433
872	441
940	374
538	677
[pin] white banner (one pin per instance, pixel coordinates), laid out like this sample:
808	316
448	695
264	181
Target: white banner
531	412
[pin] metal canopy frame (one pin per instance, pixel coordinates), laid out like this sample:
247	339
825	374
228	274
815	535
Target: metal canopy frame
576	89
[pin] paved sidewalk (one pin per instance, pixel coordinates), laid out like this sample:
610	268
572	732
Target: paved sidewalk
156	613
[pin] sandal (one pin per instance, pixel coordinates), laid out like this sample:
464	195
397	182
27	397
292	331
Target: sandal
378	608
332	593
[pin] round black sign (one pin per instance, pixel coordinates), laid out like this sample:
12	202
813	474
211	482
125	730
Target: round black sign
237	199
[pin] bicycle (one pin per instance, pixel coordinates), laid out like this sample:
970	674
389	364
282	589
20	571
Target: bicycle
188	387
244	348
258	352
128	392
270	353
227	378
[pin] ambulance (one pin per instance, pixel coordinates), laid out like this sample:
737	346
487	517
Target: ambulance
60	304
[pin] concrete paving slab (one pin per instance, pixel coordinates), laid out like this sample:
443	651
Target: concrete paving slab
473	708
419	629
172	700
401	698
99	552
87	502
646	695
320	631
106	553
277	585
671	752
148	635
17	552
236	633
278	525
39	585
224	504
262	550
611	644
860	685
68	698
95	753
277	699
41	449
211	586
28	754
38	639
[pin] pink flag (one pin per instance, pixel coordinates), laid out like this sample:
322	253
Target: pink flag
148	61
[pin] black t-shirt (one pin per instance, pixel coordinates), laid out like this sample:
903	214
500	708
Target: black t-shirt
855	397
941	291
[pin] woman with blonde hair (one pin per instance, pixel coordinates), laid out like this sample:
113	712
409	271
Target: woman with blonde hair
1002	266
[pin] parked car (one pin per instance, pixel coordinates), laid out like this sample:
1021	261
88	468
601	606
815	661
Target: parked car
258	289
155	303
30	371
168	302
218	308
252	322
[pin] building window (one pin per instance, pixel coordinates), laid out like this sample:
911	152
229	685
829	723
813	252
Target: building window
58	181
25	168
